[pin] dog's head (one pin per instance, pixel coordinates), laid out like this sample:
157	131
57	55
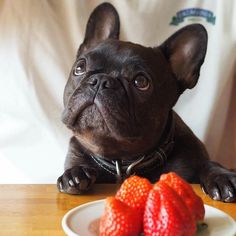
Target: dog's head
119	94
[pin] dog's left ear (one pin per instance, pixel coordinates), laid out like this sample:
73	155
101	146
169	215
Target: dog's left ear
185	50
103	23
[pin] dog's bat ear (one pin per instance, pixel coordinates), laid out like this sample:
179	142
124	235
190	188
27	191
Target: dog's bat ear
185	50
103	23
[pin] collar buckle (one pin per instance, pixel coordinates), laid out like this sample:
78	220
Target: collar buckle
118	171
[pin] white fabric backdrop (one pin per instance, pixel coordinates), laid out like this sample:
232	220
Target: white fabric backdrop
38	43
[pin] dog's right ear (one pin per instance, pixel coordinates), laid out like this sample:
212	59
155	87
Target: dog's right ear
103	23
185	50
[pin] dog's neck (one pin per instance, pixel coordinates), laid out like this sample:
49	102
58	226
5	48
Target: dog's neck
145	163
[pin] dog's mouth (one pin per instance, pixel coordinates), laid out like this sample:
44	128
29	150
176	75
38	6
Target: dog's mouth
71	115
98	119
90	119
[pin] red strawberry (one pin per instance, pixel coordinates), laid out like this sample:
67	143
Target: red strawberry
185	191
134	192
166	214
119	219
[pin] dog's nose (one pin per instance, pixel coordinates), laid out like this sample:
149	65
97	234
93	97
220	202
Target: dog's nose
93	81
104	82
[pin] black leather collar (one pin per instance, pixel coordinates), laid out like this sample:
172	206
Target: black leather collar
146	163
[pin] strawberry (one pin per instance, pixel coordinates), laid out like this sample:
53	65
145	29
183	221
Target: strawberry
185	191
134	192
119	219
166	214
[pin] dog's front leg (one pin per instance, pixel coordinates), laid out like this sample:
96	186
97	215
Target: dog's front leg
218	182
79	174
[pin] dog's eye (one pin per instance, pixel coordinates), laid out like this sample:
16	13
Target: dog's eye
80	68
141	82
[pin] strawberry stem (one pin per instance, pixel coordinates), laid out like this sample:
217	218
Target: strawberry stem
201	226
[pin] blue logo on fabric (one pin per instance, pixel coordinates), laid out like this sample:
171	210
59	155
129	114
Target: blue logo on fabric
193	12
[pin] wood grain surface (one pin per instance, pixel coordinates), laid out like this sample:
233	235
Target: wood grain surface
39	209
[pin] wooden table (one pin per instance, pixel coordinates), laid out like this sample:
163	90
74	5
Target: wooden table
38	209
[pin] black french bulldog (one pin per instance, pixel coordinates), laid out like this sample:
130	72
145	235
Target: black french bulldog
118	103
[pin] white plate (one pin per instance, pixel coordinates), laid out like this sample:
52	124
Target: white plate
76	222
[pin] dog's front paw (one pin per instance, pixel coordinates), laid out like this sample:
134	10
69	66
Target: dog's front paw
76	180
220	185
